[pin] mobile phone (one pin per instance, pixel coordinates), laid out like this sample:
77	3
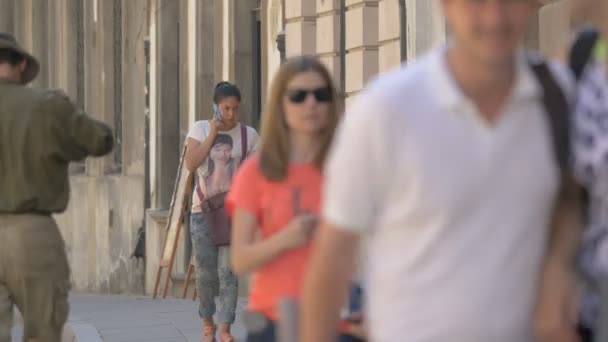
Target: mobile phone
217	112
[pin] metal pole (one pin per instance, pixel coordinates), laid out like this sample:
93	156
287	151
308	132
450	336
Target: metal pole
403	29
343	48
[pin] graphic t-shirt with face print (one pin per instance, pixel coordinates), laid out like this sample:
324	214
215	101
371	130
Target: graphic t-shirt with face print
215	174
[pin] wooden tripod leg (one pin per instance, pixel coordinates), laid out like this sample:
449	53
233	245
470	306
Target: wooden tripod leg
157	282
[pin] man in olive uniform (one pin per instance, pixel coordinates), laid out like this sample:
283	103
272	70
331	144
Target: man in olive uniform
41	132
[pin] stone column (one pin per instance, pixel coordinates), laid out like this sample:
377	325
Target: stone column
532	38
272	26
205	57
361	44
426	26
554	27
167	101
389	34
23	26
243	34
300	27
100	74
133	86
7	16
328	36
63	46
39	47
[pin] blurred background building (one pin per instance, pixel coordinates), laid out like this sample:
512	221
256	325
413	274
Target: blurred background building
148	68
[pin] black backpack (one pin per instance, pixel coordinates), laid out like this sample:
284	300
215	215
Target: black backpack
580	53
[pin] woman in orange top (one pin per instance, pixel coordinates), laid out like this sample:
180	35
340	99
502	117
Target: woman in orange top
276	195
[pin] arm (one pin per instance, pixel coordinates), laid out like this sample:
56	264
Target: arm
197	151
350	209
327	282
248	252
556	314
566	226
75	134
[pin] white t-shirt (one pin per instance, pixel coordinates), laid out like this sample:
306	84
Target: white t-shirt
455	212
216	172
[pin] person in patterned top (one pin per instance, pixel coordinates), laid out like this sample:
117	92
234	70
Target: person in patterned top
589	61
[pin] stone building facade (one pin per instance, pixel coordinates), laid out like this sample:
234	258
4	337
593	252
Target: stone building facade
148	68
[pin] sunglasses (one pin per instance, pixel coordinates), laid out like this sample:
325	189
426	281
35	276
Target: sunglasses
300	95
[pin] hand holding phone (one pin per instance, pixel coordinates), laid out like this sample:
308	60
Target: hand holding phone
217	112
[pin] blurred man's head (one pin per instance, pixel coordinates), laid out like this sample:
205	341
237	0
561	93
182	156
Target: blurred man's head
489	31
16	64
12	65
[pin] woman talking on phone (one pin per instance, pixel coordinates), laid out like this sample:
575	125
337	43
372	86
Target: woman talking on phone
276	195
214	149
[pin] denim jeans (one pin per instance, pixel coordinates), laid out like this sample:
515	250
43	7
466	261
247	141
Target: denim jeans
214	275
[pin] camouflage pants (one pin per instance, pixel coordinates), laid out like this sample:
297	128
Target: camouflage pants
214	275
34	277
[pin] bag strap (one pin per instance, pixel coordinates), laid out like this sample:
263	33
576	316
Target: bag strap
558	110
244	143
197	187
581	51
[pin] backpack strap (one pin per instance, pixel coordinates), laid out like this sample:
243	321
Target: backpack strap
243	143
558	110
581	51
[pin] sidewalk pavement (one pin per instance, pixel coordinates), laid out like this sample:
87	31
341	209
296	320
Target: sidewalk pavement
96	318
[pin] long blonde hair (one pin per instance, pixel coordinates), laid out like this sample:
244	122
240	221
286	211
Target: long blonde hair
275	142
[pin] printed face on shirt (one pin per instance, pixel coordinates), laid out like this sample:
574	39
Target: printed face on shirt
488	30
306	114
221	153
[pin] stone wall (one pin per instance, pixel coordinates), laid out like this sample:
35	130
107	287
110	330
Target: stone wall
94	51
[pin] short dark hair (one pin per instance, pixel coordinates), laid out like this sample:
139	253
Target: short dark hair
10	56
226	89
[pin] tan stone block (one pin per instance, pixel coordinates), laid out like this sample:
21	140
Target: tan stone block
348	103
554	27
388	18
327	5
361	65
333	65
328	33
300	38
361	27
299	8
389	55
350	3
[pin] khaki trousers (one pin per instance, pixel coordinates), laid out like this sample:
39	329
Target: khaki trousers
34	277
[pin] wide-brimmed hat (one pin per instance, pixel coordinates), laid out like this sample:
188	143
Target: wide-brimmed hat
8	41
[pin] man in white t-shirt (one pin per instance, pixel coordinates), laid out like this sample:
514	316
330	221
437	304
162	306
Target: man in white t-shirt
447	168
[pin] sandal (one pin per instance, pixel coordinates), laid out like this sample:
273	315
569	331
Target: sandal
226	337
209	333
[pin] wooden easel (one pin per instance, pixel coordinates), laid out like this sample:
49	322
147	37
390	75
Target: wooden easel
179	202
